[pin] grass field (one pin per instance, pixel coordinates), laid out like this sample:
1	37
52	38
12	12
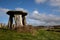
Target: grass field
40	35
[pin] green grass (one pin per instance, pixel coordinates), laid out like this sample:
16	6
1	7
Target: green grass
40	35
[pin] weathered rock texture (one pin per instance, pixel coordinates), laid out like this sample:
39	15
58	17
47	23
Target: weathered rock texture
19	18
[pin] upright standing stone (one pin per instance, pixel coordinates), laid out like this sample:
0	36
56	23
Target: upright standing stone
10	22
24	20
18	20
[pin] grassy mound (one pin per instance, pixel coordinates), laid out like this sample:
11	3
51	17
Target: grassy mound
40	35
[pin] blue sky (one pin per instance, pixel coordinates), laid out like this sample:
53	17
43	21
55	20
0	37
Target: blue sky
40	12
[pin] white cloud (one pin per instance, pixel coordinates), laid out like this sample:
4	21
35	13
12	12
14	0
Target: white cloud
55	2
36	12
40	1
35	22
3	10
3	15
49	19
49	2
17	9
21	9
58	10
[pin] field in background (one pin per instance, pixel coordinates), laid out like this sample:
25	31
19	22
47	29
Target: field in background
6	34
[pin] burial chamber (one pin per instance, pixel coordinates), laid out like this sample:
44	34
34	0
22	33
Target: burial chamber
19	18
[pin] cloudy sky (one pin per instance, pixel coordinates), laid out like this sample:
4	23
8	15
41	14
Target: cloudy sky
40	12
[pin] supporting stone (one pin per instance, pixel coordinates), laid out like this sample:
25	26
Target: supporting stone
24	20
18	20
10	22
21	20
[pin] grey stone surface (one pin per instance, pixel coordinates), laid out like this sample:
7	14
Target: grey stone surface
19	18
